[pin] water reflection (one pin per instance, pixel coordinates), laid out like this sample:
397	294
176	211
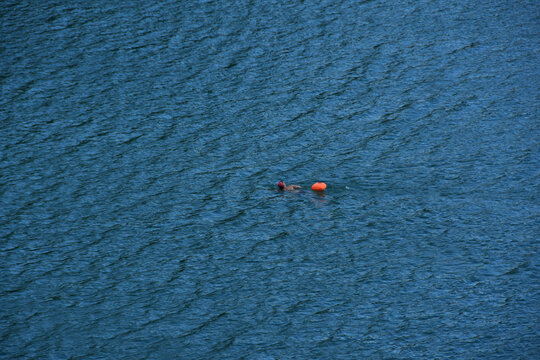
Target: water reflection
319	199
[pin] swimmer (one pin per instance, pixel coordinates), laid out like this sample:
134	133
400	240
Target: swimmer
282	186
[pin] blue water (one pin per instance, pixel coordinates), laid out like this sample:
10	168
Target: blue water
140	148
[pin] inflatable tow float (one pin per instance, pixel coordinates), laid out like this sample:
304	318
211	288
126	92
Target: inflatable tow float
318	186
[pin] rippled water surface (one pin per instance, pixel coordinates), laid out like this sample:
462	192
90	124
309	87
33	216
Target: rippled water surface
140	147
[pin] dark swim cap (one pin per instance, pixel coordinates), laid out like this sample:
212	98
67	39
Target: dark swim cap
281	184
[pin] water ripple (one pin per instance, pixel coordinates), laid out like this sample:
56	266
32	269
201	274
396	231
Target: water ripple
142	144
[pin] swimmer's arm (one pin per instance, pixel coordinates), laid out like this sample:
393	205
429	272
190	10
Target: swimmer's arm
296	186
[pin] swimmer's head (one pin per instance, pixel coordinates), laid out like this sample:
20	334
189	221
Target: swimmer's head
281	185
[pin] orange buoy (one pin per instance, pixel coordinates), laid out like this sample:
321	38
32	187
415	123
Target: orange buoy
319	186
